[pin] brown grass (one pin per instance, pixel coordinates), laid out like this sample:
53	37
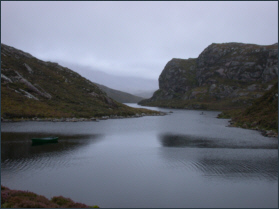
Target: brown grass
26	199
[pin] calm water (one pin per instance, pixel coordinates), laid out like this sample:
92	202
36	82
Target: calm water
179	160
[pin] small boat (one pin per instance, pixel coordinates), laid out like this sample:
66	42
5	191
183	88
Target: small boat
45	140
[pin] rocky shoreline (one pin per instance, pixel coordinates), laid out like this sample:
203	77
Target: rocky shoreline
266	133
96	119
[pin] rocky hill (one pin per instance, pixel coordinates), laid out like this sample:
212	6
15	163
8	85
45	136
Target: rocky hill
261	115
224	76
120	96
33	88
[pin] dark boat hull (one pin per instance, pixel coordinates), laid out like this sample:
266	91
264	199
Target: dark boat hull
45	140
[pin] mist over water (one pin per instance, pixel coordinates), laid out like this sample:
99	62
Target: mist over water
183	159
139	86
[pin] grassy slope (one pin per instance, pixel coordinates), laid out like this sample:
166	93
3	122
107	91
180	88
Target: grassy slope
263	114
72	95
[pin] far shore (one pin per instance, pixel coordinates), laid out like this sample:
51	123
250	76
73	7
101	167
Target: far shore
96	119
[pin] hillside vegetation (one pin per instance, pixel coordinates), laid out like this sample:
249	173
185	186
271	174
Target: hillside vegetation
25	199
34	88
261	115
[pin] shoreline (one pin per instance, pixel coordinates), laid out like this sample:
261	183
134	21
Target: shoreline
266	133
96	119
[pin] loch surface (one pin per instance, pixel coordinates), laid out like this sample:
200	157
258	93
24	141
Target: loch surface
183	159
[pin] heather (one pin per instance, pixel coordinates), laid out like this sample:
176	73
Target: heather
25	199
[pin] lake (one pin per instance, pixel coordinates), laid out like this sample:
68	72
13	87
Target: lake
183	159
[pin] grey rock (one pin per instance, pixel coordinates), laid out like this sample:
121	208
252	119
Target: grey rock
104	118
221	71
6	78
21	79
27	94
252	87
212	87
28	68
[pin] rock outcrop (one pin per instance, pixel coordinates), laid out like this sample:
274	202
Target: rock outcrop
239	62
223	76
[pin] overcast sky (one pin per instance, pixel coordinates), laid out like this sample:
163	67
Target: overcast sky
133	38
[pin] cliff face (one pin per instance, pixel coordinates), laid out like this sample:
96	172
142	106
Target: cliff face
239	62
177	78
33	88
223	76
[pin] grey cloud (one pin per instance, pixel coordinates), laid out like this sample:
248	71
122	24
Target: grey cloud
133	38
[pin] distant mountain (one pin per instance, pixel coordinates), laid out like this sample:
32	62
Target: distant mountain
144	94
120	96
111	84
129	84
33	88
224	76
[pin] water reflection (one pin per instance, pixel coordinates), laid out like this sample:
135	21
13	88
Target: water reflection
171	140
19	145
175	140
264	168
218	162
